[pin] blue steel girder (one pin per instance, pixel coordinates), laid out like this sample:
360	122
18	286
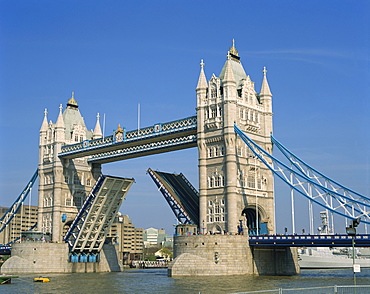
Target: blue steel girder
182	216
333	201
316	175
8	216
174	135
360	240
88	231
77	223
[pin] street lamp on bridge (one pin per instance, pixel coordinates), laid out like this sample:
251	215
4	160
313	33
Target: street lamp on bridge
351	231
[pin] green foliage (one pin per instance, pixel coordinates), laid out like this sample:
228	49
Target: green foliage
167	253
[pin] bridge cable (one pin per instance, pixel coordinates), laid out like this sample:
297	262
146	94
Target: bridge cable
9	214
302	179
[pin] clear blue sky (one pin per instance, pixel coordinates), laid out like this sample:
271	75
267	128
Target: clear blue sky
116	54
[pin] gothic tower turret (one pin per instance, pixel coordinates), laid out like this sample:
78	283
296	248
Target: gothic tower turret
234	187
64	184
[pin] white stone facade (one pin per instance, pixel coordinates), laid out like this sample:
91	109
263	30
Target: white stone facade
232	182
63	184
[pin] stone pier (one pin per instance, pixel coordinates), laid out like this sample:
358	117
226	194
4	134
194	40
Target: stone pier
205	255
33	257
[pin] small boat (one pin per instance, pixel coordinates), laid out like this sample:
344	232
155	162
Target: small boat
41	280
6	279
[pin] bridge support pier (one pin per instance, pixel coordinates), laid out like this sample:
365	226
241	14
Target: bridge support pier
208	255
33	257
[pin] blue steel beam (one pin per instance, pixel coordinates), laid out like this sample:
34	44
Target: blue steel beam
312	173
340	204
161	137
8	216
310	240
77	223
181	212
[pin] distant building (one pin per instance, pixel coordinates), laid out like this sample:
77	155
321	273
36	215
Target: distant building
156	238
22	221
128	238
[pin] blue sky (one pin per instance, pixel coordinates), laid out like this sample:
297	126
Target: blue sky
117	54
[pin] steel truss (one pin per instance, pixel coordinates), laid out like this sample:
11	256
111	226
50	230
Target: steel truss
184	130
162	145
91	225
8	216
180	212
307	183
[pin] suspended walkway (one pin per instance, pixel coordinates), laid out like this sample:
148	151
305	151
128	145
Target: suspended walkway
89	229
11	212
159	138
182	197
312	184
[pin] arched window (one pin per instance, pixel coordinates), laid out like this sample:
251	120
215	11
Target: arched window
210	152
217	181
213	110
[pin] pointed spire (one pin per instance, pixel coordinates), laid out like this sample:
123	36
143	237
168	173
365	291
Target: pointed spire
60	120
265	89
202	81
97	131
44	125
229	75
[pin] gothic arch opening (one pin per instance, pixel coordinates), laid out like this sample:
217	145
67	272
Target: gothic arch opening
217	229
251	219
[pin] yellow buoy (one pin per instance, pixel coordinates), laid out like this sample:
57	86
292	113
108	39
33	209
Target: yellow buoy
41	280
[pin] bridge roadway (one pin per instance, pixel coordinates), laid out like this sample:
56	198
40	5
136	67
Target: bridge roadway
5	249
159	138
310	240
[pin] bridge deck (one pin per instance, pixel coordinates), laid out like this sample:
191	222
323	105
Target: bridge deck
310	240
182	197
91	225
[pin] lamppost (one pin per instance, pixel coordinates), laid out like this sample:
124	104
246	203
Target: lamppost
351	231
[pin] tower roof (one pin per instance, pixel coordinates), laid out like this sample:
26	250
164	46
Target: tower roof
265	89
233	60
72	117
60	120
44	125
97	131
202	81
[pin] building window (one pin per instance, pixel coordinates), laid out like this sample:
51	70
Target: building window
210	152
68	201
76	180
216	151
213	112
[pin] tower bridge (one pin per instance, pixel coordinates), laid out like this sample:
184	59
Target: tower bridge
232	131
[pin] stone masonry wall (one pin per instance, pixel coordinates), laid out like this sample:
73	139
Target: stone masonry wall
201	255
53	258
211	255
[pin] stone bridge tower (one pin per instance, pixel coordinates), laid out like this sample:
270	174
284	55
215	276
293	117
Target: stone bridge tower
64	184
233	185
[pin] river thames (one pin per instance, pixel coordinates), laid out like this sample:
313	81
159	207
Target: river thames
156	281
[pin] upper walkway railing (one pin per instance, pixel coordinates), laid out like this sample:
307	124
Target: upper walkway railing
131	139
310	240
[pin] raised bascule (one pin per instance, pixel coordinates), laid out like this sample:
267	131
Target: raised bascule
233	133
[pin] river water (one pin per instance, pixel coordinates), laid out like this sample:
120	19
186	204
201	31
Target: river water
156	281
